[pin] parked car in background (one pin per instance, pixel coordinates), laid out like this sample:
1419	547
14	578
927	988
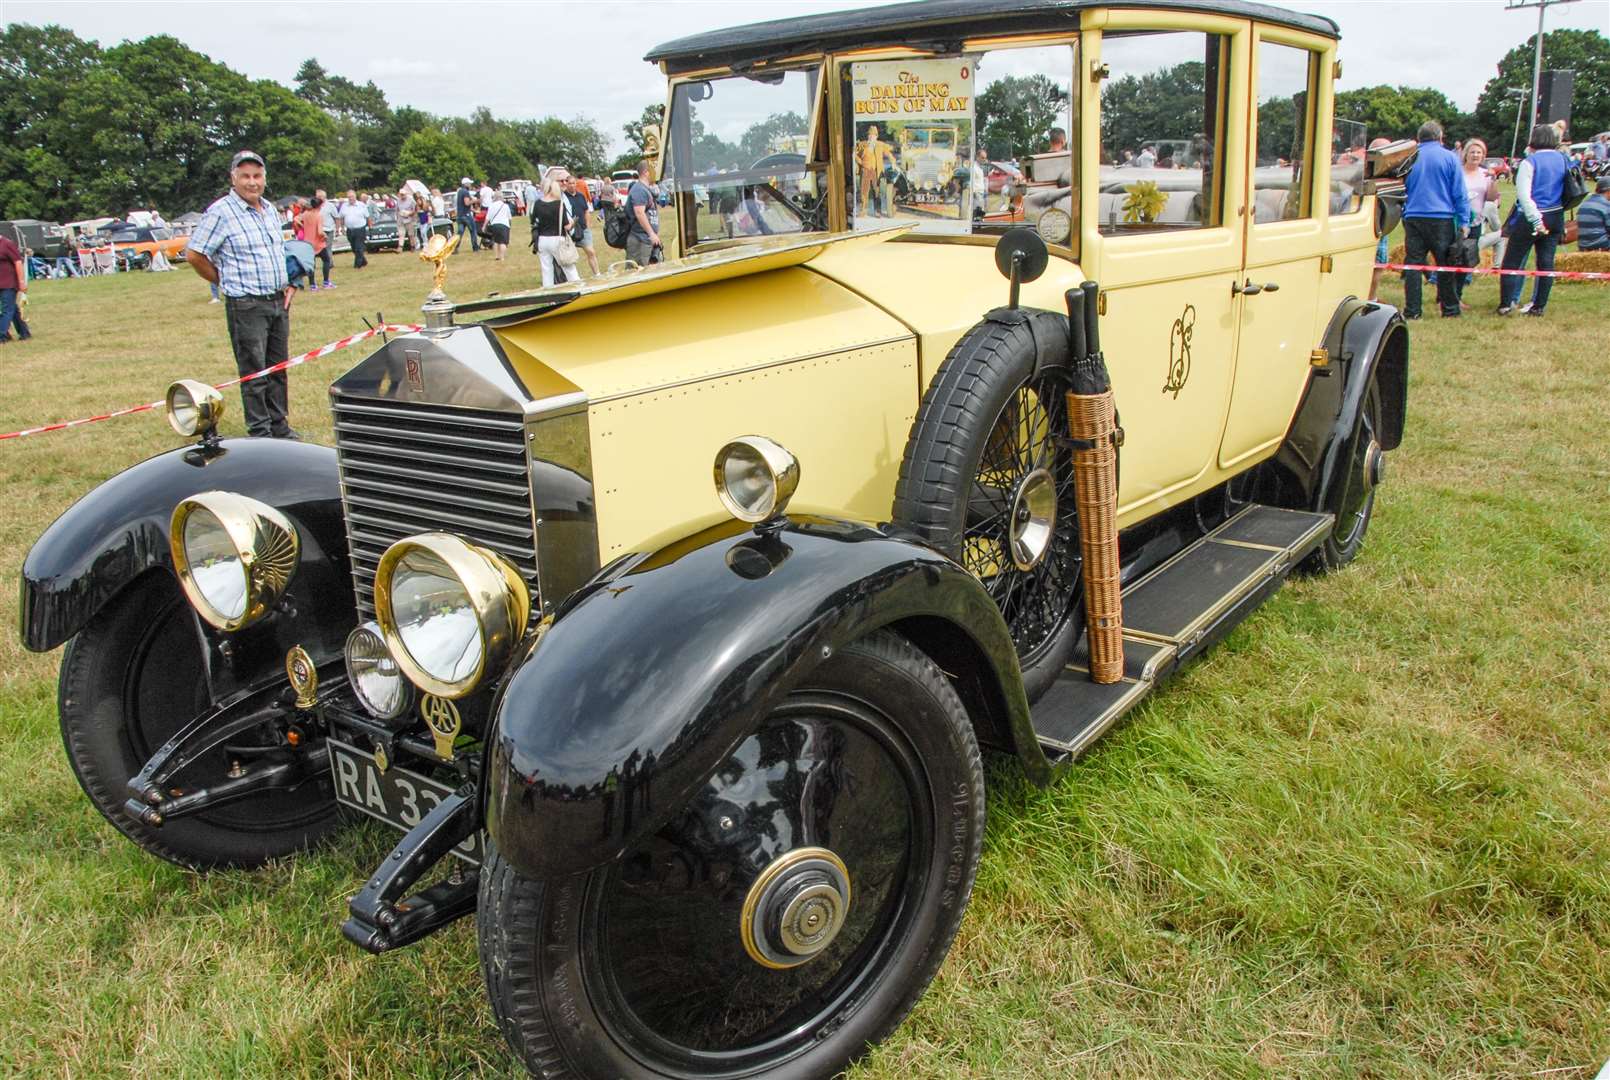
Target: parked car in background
1000	174
134	240
46	239
513	192
621	181
383	231
1498	166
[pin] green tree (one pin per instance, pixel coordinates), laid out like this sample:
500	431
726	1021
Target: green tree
39	66
434	157
1140	109
1586	52
1396	112
382	143
576	144
756	142
652	114
156	123
1015	113
498	156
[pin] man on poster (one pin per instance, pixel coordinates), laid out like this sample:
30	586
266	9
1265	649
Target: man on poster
872	156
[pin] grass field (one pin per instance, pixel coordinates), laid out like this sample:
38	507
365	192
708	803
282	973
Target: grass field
1368	836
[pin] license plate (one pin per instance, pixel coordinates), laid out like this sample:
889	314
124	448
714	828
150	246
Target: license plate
398	797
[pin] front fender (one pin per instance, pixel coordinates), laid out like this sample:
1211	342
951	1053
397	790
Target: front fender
1365	341
119	532
650	676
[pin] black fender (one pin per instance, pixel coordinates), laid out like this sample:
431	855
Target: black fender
119	532
1365	340
653	673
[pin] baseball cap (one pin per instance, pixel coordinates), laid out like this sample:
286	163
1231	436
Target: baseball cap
465	180
247	155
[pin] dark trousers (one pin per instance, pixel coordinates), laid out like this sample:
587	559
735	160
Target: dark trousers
9	315
466	223
357	238
1518	231
324	257
1432	237
1471	233
260	333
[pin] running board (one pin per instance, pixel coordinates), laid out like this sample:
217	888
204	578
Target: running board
1174	613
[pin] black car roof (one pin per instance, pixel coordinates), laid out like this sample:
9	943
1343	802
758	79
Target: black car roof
930	22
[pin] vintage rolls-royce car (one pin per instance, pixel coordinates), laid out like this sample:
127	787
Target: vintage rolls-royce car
666	613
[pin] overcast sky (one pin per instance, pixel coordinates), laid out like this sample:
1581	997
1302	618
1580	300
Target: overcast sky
557	57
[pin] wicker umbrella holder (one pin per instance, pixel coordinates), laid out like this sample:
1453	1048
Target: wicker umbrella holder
1091	421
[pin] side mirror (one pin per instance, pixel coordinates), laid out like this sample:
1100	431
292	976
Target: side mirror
1020	256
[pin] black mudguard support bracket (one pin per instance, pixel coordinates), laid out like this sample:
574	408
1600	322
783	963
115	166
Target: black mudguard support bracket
381	920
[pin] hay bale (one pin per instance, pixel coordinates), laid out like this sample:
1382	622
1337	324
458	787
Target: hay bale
1590	262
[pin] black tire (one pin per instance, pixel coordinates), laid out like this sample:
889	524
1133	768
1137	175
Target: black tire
637	969
1355	501
963	461
129	680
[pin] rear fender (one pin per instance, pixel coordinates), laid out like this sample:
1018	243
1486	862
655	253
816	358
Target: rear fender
119	532
651	675
1365	341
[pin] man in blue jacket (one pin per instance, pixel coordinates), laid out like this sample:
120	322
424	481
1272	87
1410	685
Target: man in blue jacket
1434	211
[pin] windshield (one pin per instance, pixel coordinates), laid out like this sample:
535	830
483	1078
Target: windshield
740	146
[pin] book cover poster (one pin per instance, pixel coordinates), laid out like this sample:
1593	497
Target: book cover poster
913	141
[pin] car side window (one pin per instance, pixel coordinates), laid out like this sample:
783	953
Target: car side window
1281	186
1349	138
1162	121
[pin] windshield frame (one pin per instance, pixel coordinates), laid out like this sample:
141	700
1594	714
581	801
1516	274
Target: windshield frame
682	197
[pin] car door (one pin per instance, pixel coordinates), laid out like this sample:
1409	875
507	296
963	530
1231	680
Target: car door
1165	239
1279	291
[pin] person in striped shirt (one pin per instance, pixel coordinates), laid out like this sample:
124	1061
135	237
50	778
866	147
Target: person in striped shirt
238	247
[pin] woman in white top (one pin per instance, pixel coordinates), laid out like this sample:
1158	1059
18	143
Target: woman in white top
497	226
1481	188
550	219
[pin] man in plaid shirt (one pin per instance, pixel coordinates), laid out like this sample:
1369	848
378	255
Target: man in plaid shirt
238	246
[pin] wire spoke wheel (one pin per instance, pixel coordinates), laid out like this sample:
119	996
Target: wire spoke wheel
987	479
1022	537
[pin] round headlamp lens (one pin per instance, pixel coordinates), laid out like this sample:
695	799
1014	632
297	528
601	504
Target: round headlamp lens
183	413
215	564
375	677
748	483
193	406
755	477
435	617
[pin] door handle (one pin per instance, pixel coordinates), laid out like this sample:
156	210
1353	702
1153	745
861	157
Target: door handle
1250	289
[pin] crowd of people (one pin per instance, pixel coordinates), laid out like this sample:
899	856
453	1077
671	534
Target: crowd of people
1451	214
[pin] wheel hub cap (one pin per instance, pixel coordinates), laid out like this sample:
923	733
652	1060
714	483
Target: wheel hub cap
1034	518
1374	465
795	908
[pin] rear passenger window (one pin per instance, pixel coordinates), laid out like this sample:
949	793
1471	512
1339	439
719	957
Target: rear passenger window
1162	123
1280	181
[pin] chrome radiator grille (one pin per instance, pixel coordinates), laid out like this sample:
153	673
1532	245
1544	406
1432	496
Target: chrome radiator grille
409	469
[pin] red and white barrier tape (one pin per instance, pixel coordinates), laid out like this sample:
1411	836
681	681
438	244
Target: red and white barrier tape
312	354
1564	275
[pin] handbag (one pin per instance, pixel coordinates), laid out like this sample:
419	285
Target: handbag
1573	189
565	252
